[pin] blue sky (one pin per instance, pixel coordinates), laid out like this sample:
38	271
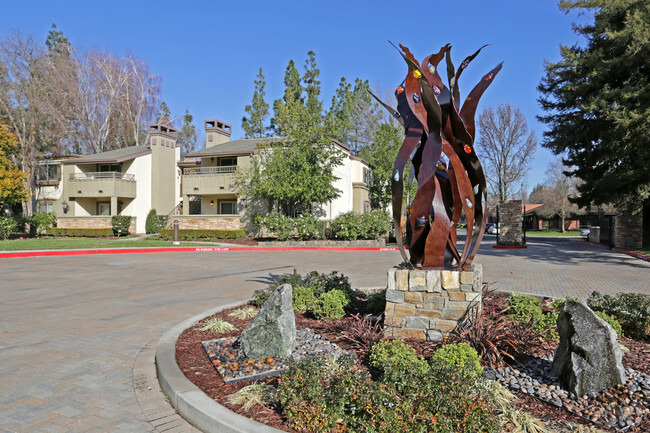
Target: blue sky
209	52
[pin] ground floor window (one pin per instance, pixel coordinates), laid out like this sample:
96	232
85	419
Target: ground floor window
228	207
104	209
45	207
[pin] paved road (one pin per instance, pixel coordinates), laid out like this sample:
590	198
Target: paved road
77	333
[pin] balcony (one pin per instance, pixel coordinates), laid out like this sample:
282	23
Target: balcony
209	180
102	184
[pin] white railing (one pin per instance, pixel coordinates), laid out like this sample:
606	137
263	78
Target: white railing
211	170
102	175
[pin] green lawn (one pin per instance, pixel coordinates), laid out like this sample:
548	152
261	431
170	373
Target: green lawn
552	233
52	243
645	251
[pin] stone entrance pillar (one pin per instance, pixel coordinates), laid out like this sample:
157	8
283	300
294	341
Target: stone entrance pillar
510	223
429	304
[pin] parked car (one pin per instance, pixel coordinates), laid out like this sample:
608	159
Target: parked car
491	229
585	232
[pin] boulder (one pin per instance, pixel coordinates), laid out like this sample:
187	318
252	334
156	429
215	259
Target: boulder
588	358
273	332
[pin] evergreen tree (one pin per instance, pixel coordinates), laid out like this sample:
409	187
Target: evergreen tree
258	111
290	104
295	175
56	42
313	103
381	155
164	114
187	134
596	103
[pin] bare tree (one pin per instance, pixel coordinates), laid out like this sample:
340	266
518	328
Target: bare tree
34	97
118	98
557	192
506	148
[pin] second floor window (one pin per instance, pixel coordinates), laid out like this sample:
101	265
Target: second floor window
227	162
48	172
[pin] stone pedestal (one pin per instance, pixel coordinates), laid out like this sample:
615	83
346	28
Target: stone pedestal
510	223
429	304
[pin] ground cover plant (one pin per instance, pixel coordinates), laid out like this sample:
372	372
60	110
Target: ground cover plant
395	385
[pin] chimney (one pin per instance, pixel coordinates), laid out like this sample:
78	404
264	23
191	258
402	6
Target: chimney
216	132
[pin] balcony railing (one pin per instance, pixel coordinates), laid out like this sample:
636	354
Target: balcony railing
210	170
102	175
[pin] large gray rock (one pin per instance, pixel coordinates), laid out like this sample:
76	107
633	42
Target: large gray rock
588	358
273	332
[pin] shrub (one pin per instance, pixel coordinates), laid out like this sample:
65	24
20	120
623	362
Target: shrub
498	339
524	307
305	289
155	222
256	393
375	224
7	226
308	227
611	321
304	298
217	325
632	310
75	232
121	224
331	305
361	332
460	355
319	397
279	224
377	302
346	226
393	357
42	221
192	234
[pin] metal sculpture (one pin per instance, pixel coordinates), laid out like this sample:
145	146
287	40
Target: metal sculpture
439	143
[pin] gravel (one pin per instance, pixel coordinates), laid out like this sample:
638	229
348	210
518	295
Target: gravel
619	408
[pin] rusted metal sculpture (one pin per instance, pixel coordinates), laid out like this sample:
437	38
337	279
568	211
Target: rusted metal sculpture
439	142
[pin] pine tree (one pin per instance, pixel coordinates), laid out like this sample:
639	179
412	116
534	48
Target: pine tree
258	111
56	42
296	174
187	134
596	103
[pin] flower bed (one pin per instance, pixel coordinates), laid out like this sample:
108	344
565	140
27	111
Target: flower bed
352	333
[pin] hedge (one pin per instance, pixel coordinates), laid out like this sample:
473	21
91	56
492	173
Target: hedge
76	232
191	234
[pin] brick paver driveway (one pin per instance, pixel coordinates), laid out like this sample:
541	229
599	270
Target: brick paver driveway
76	333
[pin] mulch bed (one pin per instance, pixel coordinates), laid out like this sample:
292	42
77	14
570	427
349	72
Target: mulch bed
197	367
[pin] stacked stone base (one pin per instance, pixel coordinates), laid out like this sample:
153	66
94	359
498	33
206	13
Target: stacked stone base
429	304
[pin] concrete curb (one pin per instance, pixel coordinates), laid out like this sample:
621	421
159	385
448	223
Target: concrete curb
189	401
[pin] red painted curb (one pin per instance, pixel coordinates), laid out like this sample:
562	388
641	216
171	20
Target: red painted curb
509	247
618	250
46	253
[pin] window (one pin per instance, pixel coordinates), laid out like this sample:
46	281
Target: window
103	208
45	207
228	207
110	167
230	161
48	172
367	176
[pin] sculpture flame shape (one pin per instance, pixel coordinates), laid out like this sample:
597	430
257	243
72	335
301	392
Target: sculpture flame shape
439	143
